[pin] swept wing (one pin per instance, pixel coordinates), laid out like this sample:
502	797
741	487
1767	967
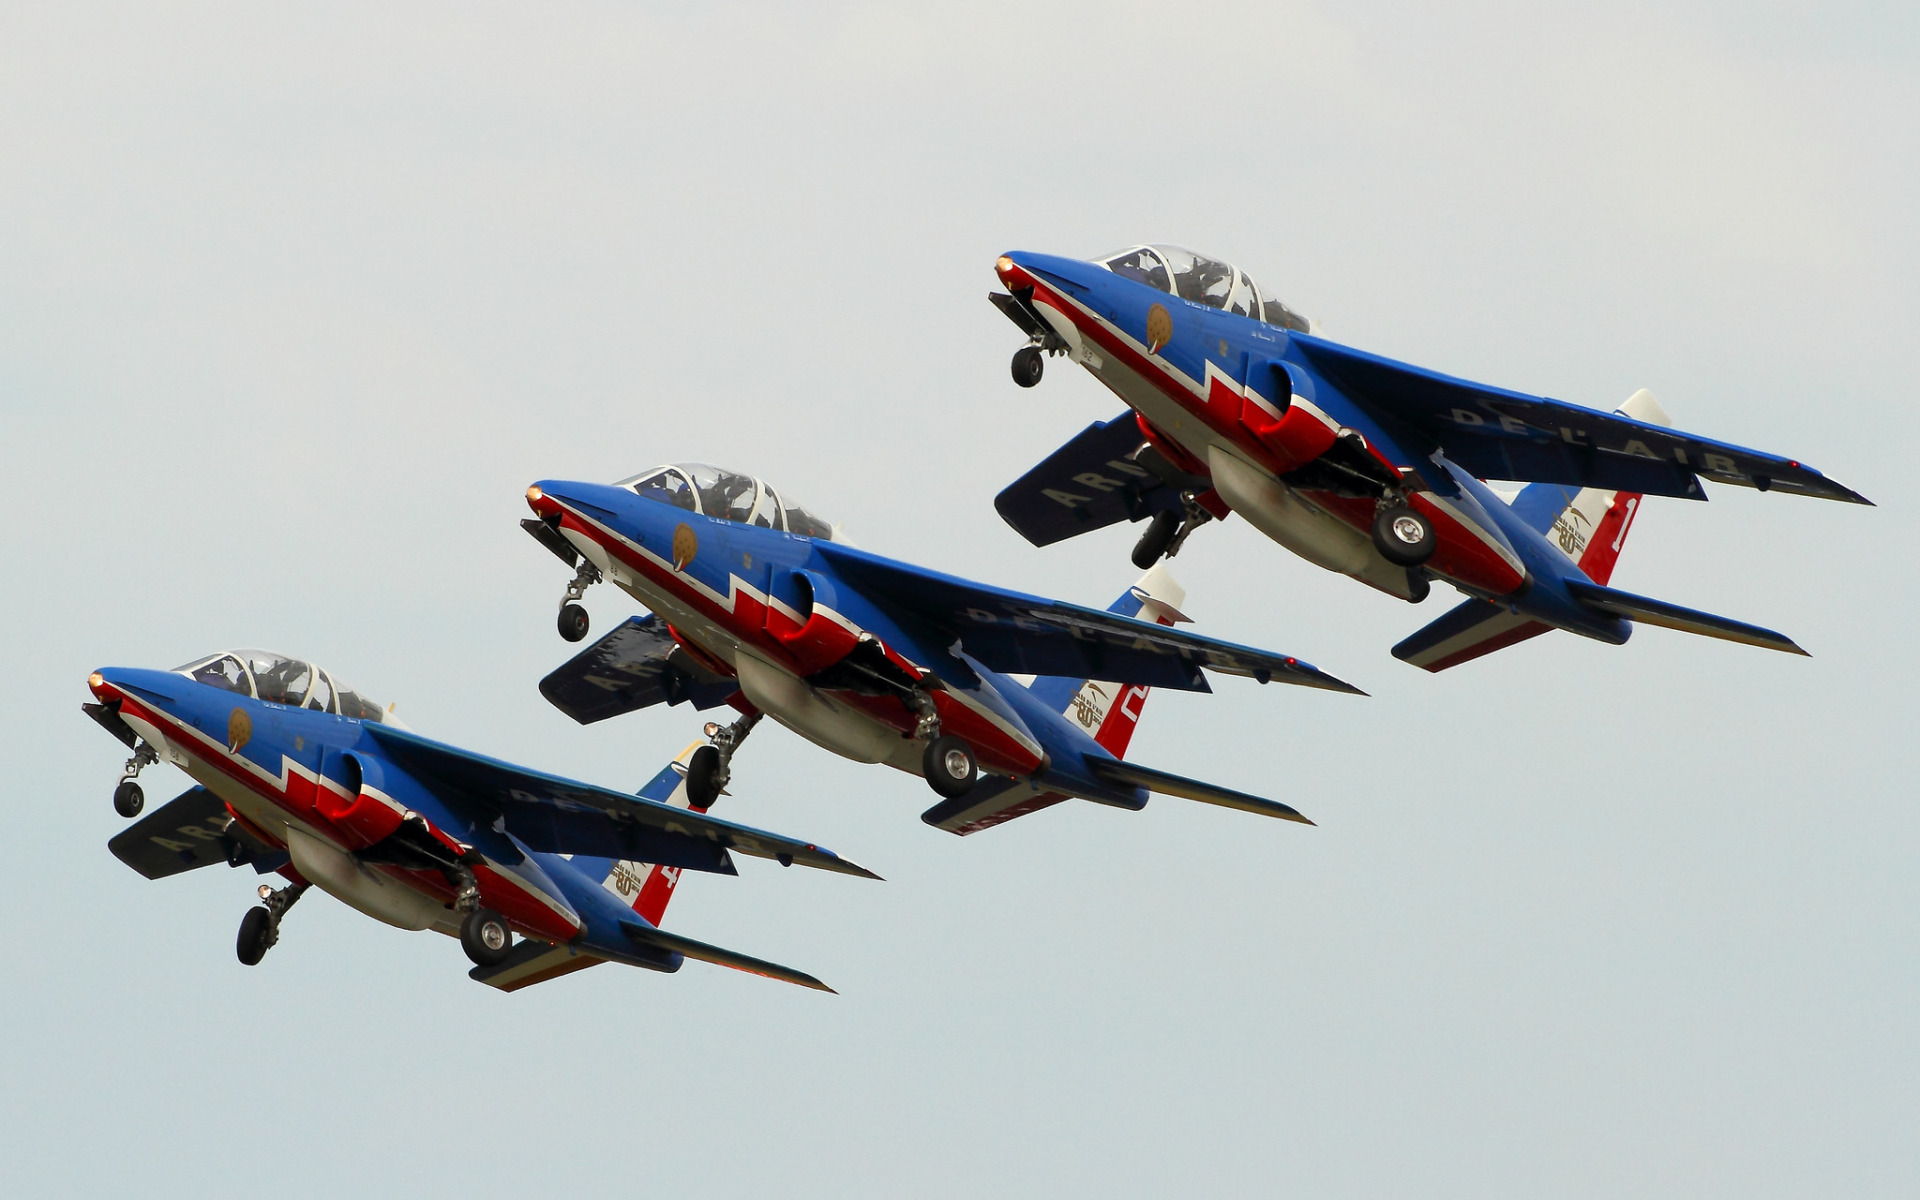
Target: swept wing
564	816
1497	434
1014	632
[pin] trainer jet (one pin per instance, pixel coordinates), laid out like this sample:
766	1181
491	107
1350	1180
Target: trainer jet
299	775
1359	464
758	604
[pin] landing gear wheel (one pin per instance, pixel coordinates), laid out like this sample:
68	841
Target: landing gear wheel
128	799
573	622
1403	537
1154	542
486	937
1028	365
703	777
256	935
949	766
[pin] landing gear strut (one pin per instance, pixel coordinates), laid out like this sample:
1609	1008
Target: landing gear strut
1168	531
710	767
128	799
947	762
260	928
484	933
573	618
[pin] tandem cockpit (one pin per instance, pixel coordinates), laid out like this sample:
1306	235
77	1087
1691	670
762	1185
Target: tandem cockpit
1202	280
730	496
279	679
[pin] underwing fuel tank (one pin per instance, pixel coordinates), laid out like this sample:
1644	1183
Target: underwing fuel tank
789	700
1273	509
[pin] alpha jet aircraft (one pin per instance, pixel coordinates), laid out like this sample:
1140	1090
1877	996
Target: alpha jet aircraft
874	659
1359	464
301	776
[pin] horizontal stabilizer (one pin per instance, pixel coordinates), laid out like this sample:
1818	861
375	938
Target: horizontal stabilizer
533	961
1091	482
1473	629
1643	611
658	939
1115	770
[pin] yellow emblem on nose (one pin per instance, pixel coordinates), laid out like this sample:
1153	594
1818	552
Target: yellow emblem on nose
239	730
685	546
1159	328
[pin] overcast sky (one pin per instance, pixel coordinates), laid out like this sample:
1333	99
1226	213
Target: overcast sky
296	300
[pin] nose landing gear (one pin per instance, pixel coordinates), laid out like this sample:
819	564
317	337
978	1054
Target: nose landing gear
128	799
1029	364
708	771
573	618
260	928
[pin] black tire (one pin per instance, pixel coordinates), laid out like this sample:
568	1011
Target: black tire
128	799
256	935
573	622
949	766
1154	542
1403	537
486	937
703	777
1029	364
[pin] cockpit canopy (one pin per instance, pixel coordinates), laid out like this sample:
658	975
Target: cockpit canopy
1202	280
293	682
729	495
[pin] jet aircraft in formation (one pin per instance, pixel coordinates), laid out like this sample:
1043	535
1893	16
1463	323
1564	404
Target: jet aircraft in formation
1359	464
1005	702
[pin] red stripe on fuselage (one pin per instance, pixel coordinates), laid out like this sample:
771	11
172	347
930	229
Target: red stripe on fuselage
747	621
1460	554
524	906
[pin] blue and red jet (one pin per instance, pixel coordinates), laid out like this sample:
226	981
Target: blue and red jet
1362	465
300	776
756	603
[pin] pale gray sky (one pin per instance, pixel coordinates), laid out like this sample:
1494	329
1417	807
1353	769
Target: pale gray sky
296	300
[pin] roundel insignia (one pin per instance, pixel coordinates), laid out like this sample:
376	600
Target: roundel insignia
239	730
1159	328
685	545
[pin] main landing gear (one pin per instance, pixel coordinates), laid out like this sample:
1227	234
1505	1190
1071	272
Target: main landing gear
484	933
710	767
260	928
128	799
573	618
947	762
1404	537
1167	531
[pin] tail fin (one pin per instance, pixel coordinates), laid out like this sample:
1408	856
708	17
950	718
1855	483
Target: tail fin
646	888
1589	525
1108	712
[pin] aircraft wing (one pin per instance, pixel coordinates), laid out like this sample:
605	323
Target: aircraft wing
191	830
636	666
564	816
1016	633
660	939
1497	434
1091	482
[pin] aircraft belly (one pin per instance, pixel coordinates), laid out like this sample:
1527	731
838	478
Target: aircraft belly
338	874
1162	411
789	700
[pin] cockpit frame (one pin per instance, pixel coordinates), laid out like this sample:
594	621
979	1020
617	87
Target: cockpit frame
1203	280
282	679
729	496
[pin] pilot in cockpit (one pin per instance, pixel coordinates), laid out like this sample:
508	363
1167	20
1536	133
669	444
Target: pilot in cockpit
1202	280
729	495
280	679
